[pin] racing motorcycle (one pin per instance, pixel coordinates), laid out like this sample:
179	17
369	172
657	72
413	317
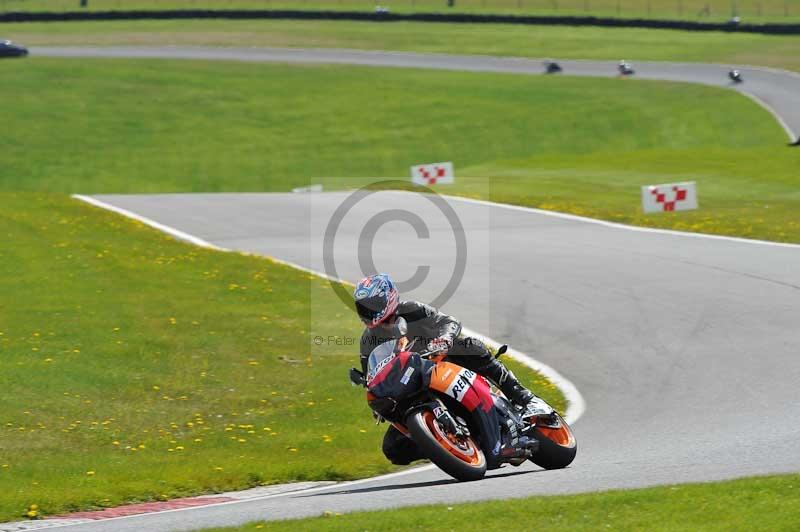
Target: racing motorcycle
625	69
453	415
735	76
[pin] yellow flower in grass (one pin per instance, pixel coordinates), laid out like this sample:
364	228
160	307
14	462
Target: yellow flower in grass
90	473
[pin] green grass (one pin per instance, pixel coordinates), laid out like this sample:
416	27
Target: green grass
528	41
766	503
572	144
706	10
165	369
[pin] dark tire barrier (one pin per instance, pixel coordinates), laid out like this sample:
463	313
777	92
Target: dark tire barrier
775	29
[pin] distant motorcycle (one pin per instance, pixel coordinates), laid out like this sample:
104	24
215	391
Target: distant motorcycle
551	67
735	76
625	69
454	417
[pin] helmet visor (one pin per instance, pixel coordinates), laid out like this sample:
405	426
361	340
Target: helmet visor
371	307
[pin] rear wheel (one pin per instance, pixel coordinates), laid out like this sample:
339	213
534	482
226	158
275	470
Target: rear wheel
557	445
461	458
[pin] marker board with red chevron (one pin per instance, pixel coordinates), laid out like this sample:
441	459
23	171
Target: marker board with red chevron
669	197
433	174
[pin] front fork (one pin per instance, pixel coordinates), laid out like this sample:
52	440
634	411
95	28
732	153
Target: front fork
443	417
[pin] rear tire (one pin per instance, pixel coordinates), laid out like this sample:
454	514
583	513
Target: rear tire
464	461
557	447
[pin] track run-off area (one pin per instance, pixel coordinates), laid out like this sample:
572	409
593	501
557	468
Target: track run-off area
683	346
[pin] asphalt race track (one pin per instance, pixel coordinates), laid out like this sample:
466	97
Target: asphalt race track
684	347
777	89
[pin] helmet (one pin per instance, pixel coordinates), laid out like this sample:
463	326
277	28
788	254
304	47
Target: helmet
376	299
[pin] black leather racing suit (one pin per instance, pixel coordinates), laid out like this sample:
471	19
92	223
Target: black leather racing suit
426	323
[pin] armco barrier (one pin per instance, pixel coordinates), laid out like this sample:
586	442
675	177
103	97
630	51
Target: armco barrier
777	29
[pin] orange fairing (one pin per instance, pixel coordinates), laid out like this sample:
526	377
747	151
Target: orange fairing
443	375
561	435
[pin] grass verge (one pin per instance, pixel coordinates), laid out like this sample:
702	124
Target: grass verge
571	144
704	10
765	503
493	39
135	367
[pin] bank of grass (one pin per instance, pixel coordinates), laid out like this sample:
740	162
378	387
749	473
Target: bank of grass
765	503
783	11
135	367
561	42
570	144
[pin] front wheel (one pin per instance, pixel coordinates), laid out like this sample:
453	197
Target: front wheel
557	445
461	458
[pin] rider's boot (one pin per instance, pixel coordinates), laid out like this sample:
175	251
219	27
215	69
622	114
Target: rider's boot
508	383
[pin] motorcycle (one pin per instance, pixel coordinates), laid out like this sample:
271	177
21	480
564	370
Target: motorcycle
453	415
625	69
551	67
735	76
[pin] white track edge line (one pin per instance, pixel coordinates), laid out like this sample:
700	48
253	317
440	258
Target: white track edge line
80	521
152	223
764	105
576	405
615	225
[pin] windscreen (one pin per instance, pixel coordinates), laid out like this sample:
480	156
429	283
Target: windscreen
379	357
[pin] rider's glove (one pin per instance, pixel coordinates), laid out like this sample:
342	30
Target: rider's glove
440	344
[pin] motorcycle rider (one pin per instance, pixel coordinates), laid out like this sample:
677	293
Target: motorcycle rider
378	306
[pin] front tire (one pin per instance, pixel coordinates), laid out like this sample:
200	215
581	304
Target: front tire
462	460
557	445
